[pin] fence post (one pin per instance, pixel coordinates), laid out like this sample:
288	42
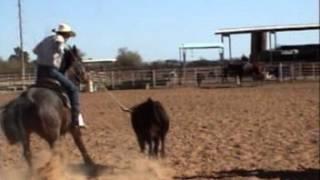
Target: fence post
133	80
195	75
119	77
215	74
154	81
9	80
280	72
112	80
314	71
90	86
238	80
293	77
300	70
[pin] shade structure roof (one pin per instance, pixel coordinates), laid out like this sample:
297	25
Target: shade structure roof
201	46
272	28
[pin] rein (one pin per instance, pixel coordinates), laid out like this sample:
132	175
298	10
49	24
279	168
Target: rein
122	106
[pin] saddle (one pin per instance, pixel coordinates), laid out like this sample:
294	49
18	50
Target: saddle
56	87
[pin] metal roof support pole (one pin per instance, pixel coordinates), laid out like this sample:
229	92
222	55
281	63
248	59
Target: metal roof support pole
270	47
275	39
180	69
184	57
222	50
230	55
180	54
270	40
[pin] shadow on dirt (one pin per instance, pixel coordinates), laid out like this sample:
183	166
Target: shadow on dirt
94	170
308	174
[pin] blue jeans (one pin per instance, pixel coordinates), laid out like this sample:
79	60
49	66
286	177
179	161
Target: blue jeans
71	89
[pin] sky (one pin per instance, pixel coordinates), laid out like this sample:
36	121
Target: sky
153	28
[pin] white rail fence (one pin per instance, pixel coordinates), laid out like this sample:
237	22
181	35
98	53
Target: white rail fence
15	82
133	79
212	75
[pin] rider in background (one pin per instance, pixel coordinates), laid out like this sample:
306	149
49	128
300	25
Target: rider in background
246	63
49	57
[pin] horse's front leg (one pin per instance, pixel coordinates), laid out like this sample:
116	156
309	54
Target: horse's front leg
76	134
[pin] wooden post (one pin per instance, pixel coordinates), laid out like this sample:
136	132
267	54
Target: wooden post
154	81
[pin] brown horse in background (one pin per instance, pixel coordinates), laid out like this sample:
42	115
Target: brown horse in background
43	111
241	68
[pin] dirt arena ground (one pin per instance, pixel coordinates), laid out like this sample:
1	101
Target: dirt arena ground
270	131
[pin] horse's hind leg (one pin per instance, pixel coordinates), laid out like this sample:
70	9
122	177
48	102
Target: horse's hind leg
156	146
76	134
149	142
162	140
26	149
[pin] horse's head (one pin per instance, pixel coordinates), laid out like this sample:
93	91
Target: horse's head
73	67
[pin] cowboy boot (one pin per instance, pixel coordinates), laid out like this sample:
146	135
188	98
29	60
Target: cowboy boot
77	120
81	121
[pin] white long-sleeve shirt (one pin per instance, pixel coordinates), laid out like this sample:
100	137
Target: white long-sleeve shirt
50	51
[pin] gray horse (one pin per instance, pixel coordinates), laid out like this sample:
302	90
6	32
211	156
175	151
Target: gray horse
43	111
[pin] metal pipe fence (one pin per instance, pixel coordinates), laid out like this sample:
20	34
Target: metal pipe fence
133	79
162	78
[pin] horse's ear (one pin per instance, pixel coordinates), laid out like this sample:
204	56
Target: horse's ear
74	48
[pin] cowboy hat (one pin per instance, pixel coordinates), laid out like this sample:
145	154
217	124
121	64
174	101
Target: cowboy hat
64	28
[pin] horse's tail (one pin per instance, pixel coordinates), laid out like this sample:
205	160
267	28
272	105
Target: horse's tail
12	121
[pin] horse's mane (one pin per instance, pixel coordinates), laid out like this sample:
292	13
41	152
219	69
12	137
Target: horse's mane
66	62
72	66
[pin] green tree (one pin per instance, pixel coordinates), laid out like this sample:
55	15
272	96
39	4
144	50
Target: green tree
128	58
13	64
17	55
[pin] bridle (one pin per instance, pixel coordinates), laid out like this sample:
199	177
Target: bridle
75	70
